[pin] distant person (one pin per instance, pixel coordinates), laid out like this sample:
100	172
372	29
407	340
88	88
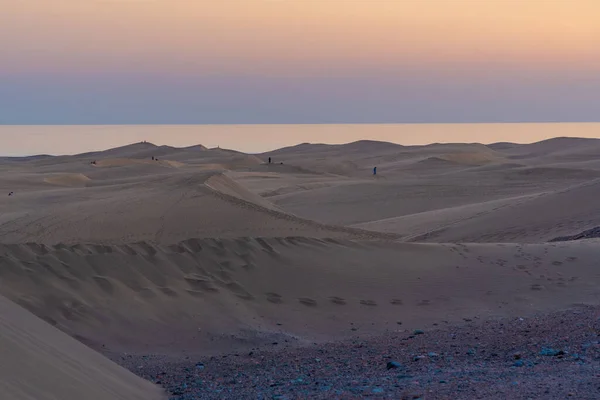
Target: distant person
269	160
11	193
375	171
152	158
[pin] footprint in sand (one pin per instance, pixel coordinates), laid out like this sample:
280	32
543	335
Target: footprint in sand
239	290
177	248
369	303
148	293
169	292
537	287
307	301
195	293
557	263
337	300
396	302
571	259
424	303
201	283
249	266
104	284
274	298
73	283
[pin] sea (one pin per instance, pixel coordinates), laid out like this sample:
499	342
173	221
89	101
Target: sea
24	140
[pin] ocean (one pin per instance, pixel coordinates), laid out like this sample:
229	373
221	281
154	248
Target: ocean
71	139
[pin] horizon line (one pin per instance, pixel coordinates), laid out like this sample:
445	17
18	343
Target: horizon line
303	123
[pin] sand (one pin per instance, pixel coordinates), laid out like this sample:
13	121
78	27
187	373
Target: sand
211	251
40	362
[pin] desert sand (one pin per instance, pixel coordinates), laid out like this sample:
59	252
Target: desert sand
40	362
195	252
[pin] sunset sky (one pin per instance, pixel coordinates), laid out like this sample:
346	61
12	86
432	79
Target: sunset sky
298	61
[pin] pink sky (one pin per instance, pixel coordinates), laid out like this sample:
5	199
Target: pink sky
293	60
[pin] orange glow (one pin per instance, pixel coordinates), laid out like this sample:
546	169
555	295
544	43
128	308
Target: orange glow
297	36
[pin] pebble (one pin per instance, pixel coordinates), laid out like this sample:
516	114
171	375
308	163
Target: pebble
393	365
356	370
418	332
548	351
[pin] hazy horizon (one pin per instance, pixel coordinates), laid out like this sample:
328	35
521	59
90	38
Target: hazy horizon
28	140
298	61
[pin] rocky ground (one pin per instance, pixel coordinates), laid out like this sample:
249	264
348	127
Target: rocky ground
554	356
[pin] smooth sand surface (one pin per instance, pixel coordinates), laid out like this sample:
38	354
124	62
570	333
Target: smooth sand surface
40	362
208	250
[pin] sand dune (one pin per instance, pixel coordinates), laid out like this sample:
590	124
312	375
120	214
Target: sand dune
122	162
163	209
235	293
209	250
68	180
40	362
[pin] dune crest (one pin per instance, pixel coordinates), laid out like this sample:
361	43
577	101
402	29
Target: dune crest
72	180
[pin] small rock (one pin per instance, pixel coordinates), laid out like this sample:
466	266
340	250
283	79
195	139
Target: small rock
432	354
518	363
418	332
377	390
199	365
548	351
393	365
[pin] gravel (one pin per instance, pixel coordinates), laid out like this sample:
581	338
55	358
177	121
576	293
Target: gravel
552	356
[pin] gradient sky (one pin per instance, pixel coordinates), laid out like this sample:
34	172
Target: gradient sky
298	61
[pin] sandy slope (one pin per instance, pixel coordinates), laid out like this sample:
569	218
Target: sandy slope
421	191
163	209
207	295
40	362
